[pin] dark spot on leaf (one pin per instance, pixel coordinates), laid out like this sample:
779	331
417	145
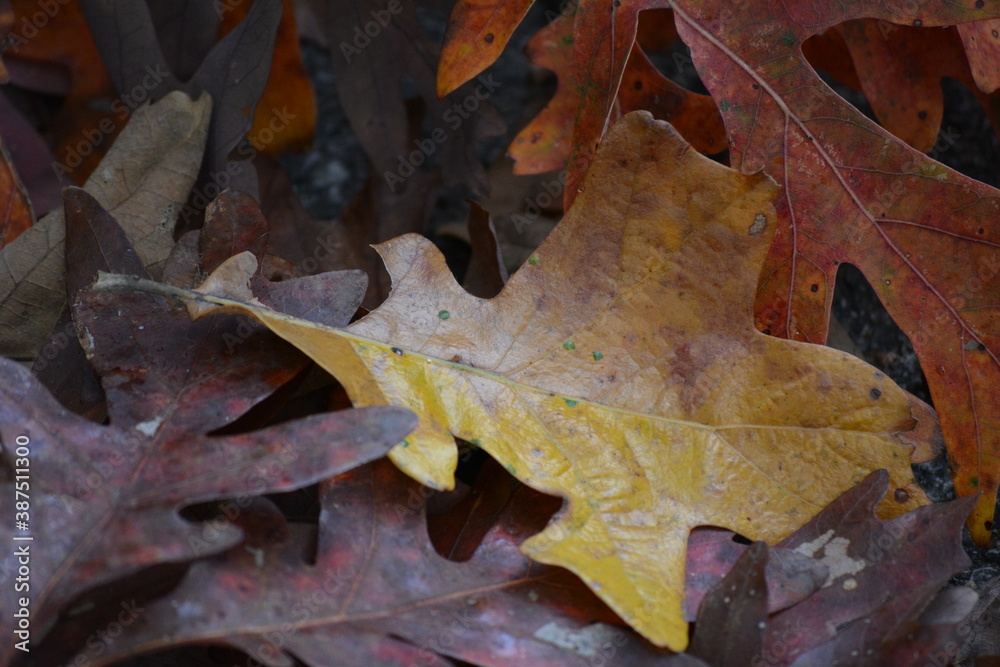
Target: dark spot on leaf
875	393
756	87
814	288
398	351
981	347
979	4
981	231
535	137
917	23
489	38
766	331
637	85
922	115
901	495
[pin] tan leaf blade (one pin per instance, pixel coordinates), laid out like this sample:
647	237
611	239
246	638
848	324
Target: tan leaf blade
620	369
143	181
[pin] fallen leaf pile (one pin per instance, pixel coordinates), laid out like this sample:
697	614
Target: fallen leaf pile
232	431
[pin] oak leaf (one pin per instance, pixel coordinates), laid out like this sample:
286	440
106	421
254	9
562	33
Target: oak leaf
568	127
386	598
923	235
619	372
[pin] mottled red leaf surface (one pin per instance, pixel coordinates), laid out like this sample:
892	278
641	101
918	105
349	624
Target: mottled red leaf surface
925	236
562	129
982	47
108	497
882	577
900	69
851	586
378	593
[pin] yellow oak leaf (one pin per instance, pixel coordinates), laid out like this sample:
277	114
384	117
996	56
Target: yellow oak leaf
620	369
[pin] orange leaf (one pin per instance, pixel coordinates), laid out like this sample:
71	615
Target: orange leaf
477	33
926	237
15	209
982	47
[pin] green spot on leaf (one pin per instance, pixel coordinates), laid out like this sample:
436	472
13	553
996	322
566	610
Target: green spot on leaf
788	38
533	260
444	314
404	444
476	441
724	106
569	345
571	402
974	481
510	469
598	355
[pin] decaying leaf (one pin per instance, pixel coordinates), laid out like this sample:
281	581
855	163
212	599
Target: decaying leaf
358	603
617	372
143	181
878	603
107	497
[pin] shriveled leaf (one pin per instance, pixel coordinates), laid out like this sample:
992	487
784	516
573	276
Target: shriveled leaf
143	181
924	236
385	599
615	371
